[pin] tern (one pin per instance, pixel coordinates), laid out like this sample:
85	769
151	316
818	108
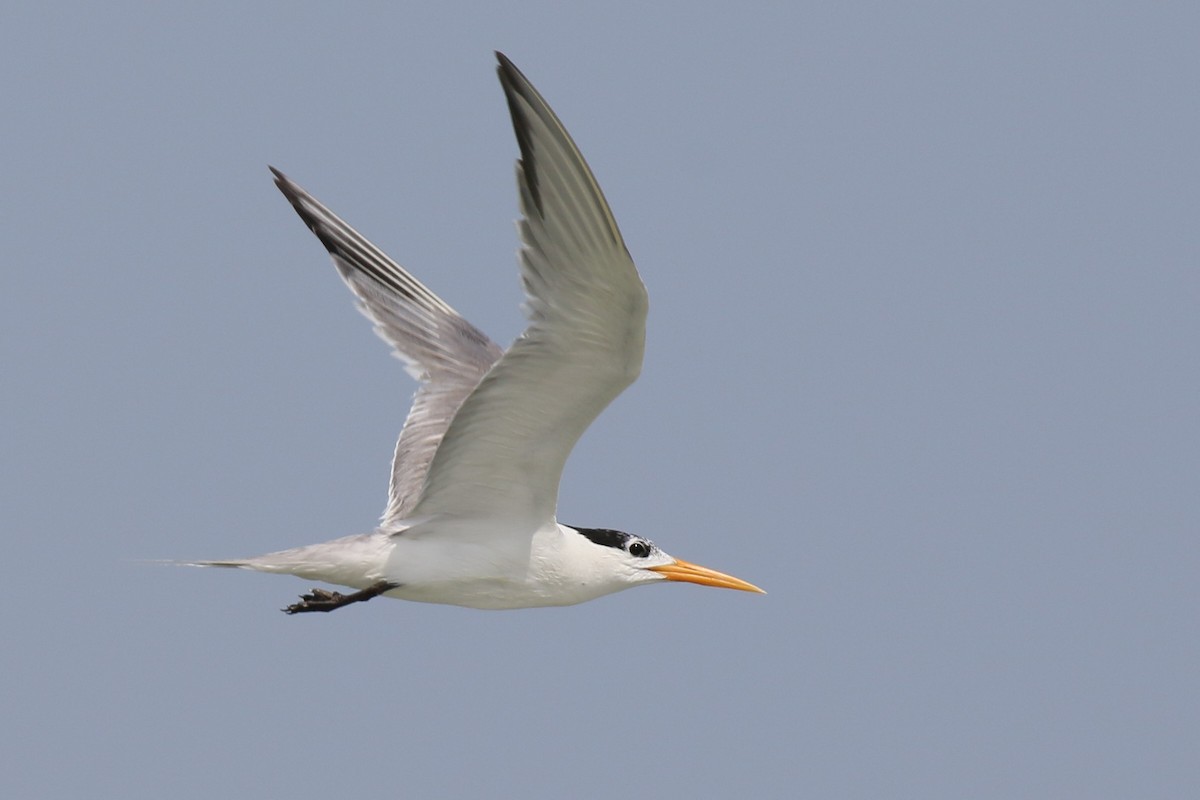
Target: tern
471	512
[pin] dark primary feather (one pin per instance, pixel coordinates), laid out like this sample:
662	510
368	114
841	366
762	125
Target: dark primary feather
441	349
505	450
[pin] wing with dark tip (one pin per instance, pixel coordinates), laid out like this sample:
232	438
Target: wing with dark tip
504	452
447	354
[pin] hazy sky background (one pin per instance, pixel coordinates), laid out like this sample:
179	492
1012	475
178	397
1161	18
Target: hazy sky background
922	362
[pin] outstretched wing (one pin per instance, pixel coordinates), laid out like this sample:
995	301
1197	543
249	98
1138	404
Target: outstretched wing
504	452
439	348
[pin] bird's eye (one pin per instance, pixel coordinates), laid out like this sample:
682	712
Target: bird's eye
639	549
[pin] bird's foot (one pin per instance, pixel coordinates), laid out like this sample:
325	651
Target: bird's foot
325	600
317	600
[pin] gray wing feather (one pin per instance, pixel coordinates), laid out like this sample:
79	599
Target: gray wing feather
504	452
439	348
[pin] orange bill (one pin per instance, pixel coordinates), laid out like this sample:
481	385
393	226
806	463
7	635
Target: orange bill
694	573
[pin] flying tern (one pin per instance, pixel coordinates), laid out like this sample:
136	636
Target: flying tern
470	517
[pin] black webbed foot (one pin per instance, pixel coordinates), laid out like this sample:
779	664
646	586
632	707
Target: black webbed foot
325	600
317	600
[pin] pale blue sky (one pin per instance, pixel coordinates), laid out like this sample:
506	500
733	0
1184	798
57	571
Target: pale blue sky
921	362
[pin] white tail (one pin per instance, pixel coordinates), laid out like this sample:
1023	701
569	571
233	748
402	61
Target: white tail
355	561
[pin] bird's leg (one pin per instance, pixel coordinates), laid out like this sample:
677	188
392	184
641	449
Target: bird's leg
324	600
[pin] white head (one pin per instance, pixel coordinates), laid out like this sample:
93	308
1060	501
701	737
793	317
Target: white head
623	560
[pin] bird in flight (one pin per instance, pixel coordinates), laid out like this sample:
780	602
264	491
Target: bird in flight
471	512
